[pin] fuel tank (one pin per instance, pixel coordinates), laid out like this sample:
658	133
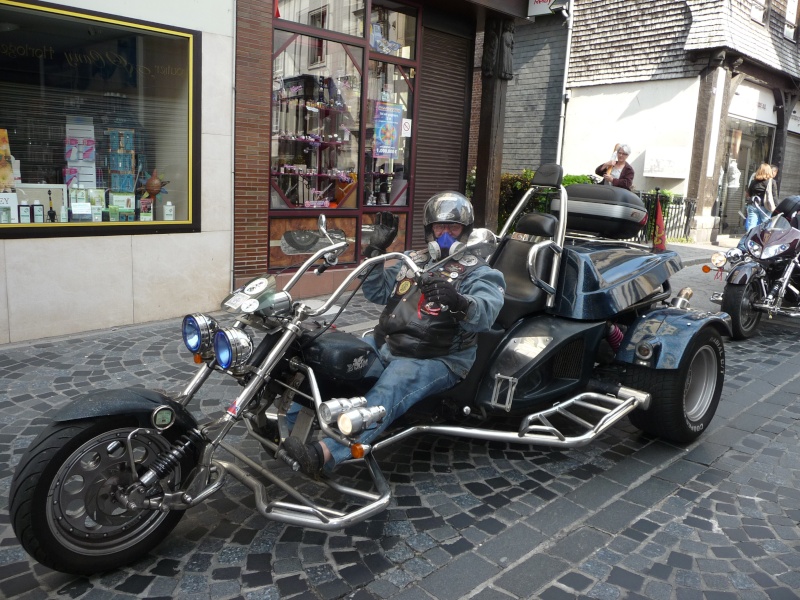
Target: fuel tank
341	364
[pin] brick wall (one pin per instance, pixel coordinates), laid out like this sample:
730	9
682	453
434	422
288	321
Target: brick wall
252	137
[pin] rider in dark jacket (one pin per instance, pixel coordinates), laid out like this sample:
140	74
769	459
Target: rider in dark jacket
426	335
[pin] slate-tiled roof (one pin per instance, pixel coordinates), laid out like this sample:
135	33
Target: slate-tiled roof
716	23
629	41
657	39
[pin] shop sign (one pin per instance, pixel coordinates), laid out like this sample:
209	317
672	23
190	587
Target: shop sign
537	8
753	102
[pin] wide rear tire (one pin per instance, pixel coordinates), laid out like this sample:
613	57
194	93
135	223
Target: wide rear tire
737	301
62	503
683	400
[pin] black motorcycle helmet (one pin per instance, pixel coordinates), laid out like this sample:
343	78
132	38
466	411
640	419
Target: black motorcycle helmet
448	207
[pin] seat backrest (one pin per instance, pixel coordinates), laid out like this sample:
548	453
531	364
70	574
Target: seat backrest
522	296
538	224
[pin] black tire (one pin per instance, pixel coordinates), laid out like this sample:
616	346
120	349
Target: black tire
61	503
683	400
737	301
303	240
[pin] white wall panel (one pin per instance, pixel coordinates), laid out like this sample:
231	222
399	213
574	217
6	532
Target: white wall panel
656	114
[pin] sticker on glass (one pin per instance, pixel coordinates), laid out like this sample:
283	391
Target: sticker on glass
236	300
250	305
257	286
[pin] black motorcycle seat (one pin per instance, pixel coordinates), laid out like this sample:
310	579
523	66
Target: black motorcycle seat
522	296
539	224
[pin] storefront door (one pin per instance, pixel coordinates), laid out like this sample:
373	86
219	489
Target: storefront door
748	145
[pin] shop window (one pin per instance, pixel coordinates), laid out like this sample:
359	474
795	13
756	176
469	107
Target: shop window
388	157
95	131
393	29
316	125
792	17
342	17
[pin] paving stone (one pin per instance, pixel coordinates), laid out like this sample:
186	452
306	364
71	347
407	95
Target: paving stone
626	517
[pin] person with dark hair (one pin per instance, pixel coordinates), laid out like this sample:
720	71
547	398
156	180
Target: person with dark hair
426	336
617	171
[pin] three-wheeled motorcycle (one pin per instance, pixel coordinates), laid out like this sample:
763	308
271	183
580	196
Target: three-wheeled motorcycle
588	335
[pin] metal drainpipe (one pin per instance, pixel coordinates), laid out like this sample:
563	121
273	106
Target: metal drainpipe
564	99
232	279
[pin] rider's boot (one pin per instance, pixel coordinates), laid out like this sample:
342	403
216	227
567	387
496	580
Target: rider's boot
309	456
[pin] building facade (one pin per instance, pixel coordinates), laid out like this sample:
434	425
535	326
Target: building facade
366	109
116	170
155	156
702	90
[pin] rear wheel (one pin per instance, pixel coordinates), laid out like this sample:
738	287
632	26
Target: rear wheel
737	301
683	400
63	502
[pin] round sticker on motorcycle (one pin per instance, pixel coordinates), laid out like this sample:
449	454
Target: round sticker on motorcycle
404	287
256	286
249	306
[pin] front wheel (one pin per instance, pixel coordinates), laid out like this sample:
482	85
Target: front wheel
683	400
737	301
63	502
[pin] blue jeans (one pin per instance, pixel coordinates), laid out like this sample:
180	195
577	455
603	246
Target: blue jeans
402	382
756	215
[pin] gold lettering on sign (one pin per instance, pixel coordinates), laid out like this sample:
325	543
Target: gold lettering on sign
26	51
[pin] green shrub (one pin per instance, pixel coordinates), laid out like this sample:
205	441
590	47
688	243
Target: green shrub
512	188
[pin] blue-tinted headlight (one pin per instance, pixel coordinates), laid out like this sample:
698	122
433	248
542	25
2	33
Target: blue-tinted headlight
198	331
232	347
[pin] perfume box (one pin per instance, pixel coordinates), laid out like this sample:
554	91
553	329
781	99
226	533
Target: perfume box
121	200
9	201
96	197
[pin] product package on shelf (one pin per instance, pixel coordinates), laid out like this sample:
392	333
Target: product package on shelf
146	209
79	151
7	178
122	174
52	196
8	208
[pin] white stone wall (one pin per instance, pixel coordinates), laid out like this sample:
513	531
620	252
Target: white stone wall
657	115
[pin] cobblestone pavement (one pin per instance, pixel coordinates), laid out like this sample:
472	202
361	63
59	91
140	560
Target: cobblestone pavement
628	516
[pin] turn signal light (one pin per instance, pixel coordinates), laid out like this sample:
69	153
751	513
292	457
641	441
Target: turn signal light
706	269
357	450
198	359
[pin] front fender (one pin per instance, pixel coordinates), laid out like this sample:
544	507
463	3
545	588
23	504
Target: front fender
744	272
669	331
130	402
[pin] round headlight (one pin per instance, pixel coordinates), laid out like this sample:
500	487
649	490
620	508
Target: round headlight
718	259
232	347
198	331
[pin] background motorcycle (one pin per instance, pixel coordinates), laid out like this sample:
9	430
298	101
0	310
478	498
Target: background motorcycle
765	277
585	338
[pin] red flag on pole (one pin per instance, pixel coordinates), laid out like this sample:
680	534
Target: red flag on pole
659	234
277	12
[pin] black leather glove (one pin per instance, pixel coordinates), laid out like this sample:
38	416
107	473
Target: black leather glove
383	234
444	293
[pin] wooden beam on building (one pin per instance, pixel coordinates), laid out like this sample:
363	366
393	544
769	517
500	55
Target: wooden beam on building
496	70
